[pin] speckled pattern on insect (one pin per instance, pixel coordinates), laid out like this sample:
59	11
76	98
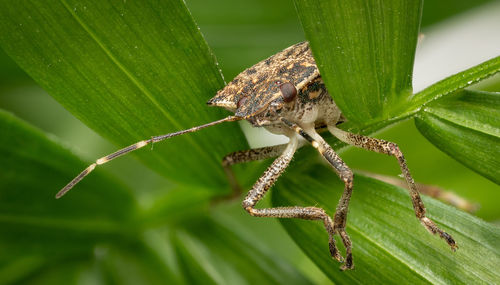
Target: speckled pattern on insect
286	95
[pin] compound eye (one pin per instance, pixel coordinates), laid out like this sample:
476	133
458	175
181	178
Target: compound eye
241	101
288	92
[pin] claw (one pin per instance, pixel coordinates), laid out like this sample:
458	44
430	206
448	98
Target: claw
348	263
449	240
433	229
335	253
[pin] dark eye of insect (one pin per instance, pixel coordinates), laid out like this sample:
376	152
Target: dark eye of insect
288	91
241	102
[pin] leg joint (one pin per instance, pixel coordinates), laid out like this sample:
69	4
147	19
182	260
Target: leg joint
247	205
250	210
347	176
394	149
227	160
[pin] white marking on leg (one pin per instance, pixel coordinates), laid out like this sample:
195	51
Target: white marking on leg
141	144
101	160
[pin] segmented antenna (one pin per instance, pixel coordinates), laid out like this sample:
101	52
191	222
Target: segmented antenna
133	147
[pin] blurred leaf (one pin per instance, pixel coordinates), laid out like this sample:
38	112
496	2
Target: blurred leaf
466	127
242	33
436	11
176	205
131	263
200	250
388	241
10	74
68	272
44	166
233	257
129	70
364	51
35	228
193	271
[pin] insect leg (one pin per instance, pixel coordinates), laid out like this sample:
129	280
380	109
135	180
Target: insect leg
345	174
133	147
390	148
262	185
247	156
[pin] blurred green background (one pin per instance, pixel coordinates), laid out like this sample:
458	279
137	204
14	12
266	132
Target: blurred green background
240	34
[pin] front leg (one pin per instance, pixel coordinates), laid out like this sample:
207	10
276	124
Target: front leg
392	149
345	174
265	182
247	156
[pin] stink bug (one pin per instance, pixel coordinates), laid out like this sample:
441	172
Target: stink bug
286	95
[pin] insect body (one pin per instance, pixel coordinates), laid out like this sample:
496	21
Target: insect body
286	95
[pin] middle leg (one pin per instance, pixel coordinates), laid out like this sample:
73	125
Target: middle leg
345	174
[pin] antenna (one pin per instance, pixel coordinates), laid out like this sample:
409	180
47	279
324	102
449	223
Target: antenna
135	146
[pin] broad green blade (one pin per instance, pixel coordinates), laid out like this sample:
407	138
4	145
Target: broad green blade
34	168
466	126
389	244
364	51
129	70
35	228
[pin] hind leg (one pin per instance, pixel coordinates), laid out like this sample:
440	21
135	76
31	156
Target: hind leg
392	149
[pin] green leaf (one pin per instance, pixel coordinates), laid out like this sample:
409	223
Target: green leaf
466	126
364	51
454	83
388	241
220	255
68	272
438	11
35	228
136	262
132	263
10	74
129	70
45	166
